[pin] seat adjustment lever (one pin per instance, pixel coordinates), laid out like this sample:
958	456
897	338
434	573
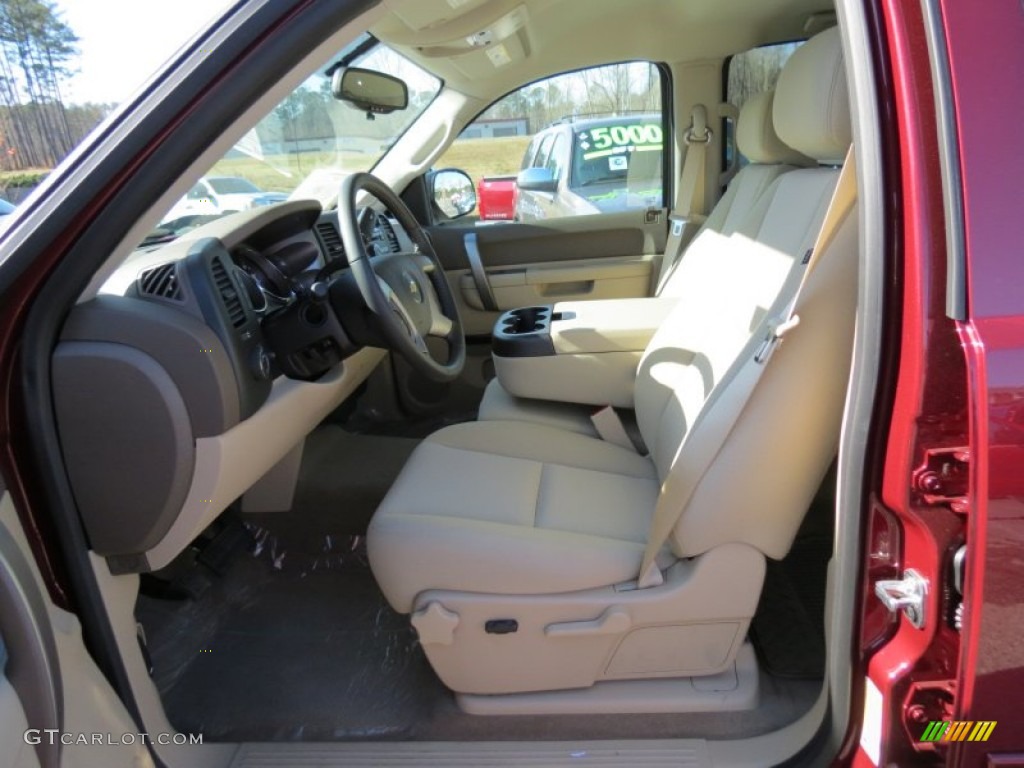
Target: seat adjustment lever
613	621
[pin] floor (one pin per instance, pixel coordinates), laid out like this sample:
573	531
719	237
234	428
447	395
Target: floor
283	635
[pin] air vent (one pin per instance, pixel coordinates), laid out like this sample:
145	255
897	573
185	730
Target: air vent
331	239
161	282
228	292
389	234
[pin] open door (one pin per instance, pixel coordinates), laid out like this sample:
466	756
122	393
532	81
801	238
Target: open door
56	708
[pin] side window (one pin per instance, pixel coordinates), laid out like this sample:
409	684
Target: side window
749	73
529	154
540	160
607	158
556	160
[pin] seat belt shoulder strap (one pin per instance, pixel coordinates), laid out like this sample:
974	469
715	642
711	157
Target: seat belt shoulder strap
720	415
688	213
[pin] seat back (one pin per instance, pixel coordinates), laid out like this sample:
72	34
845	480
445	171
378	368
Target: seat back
760	484
768	159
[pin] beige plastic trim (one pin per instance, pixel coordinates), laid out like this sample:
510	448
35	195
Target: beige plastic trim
598	347
275	491
13	725
618	325
89	704
120	594
734	689
612	277
692	625
652	753
229	464
604	378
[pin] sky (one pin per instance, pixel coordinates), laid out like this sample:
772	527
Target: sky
123	42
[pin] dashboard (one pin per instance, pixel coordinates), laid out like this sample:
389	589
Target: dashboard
206	360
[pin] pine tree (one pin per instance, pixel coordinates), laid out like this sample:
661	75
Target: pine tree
36	47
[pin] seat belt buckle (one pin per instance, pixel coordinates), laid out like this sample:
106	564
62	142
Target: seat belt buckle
610	428
776	331
651	577
680	222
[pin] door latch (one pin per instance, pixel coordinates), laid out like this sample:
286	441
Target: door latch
907	595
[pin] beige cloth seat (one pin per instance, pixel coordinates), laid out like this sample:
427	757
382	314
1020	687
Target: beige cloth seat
768	159
511	505
513	543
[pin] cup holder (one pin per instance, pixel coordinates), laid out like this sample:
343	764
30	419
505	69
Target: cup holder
524	332
526	320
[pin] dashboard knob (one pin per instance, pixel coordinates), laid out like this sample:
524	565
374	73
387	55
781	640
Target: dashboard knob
259	363
318	291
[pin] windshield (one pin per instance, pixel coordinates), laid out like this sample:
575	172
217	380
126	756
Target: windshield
233	186
304	147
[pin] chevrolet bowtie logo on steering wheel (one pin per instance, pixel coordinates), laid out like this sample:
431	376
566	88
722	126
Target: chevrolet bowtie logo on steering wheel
412	286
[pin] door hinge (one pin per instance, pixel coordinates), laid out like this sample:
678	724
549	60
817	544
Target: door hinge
926	702
907	595
942	478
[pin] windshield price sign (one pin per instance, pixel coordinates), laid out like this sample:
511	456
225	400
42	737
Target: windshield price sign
613	139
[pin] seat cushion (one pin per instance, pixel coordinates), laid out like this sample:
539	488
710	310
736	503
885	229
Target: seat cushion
499	405
507	507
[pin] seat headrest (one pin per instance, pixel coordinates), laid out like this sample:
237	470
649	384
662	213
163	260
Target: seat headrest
756	137
812	104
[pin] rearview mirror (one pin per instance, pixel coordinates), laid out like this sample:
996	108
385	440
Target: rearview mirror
372	92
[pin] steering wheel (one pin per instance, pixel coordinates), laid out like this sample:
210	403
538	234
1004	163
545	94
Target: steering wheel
407	292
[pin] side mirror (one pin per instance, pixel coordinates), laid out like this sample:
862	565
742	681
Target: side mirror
372	92
537	180
453	193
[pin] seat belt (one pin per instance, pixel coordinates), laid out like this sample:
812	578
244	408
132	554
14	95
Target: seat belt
717	421
613	428
688	214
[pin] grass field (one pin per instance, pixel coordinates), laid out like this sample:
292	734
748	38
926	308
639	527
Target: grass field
282	173
485	157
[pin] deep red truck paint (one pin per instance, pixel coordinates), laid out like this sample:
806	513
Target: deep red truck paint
496	198
961	384
929	404
986	51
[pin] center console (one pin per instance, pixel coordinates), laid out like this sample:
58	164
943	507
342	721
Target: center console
578	351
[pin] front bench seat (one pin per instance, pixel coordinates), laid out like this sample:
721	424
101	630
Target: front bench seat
515	546
768	158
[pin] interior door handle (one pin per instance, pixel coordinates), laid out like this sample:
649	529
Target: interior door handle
476	268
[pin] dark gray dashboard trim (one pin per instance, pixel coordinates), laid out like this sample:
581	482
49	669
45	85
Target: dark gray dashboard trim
131	485
156	140
476	267
177	340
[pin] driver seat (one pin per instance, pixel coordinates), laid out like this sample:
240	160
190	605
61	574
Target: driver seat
516	546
